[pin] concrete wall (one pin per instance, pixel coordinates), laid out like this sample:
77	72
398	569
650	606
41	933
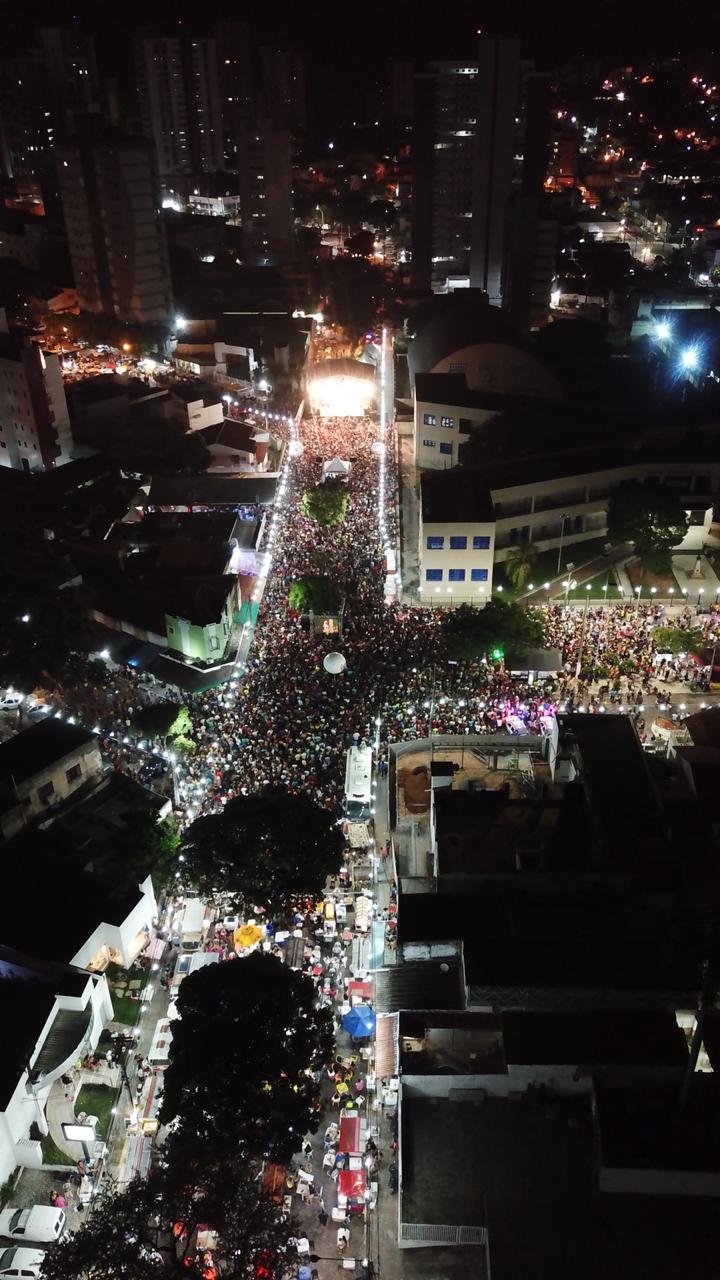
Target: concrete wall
466	561
435	425
87	758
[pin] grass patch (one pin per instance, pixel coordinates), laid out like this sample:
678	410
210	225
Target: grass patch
545	568
125	1009
52	1154
97	1100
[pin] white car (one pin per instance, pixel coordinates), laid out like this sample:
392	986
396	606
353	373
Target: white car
11	701
41	1222
230	922
20	1264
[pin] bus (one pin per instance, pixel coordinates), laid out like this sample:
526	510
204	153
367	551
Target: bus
358	784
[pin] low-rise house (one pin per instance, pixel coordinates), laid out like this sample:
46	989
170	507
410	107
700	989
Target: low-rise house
43	766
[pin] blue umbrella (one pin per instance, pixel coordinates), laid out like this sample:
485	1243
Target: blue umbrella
360	1021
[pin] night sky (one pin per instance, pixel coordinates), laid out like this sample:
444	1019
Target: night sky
347	46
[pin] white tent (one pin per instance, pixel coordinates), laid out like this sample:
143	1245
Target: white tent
336	469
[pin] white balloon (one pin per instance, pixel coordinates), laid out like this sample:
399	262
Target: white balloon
334	663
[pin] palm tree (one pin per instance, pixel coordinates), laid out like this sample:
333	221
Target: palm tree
520	562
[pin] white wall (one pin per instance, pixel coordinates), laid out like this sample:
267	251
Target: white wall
443	591
430	433
121	937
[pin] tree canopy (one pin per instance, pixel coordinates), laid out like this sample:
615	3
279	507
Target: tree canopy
148	1230
650	516
166	720
142	846
677	640
326	503
243	1053
520	563
315	593
501	625
264	849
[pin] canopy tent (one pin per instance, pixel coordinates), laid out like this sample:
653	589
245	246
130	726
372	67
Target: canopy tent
349	1139
336	469
360	1021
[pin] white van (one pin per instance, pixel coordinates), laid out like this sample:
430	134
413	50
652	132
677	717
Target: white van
358	784
42	1222
195	924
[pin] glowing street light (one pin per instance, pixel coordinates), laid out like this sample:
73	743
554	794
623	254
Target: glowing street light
689	358
662	331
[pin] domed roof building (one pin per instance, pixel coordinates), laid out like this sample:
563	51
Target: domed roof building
464	335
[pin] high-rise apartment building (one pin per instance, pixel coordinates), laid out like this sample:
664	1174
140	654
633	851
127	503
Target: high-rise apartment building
235	79
34	423
40	93
265	186
282	89
109	189
179	96
479	138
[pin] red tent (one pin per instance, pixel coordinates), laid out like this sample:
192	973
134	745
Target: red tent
349	1139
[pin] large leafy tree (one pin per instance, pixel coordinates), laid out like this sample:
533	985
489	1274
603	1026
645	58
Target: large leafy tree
474	633
142	846
199	1187
326	503
244	1053
119	1238
43	619
165	720
262	850
149	1231
650	516
315	593
677	640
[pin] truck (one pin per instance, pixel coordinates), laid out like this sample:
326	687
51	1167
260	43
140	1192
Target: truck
358	784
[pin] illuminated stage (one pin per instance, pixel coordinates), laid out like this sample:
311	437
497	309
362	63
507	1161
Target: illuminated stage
341	388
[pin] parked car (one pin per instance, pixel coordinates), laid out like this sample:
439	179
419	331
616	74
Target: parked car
11	701
21	1264
153	769
40	1222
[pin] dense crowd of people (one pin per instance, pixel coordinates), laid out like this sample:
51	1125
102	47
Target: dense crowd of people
288	721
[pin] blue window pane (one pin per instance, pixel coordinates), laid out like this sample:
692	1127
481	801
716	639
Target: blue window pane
433	575
445	447
435	543
456	575
458	544
481	543
479	575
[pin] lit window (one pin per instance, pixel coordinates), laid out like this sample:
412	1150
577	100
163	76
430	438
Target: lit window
456	575
481	543
429	419
436	543
447	422
430	444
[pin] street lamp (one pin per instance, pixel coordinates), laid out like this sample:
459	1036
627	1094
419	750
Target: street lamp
689	358
662	331
701	592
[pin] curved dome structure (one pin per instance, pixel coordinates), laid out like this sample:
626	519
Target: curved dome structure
467	336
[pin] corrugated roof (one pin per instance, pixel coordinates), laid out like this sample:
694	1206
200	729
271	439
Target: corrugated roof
421	984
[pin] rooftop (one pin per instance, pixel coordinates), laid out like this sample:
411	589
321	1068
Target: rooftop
35	749
189	392
176	526
640	1037
450	323
422	984
458	495
452	389
211	491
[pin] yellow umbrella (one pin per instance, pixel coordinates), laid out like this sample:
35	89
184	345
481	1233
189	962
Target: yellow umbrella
247	935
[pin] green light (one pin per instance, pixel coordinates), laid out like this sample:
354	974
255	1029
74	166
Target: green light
497	654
